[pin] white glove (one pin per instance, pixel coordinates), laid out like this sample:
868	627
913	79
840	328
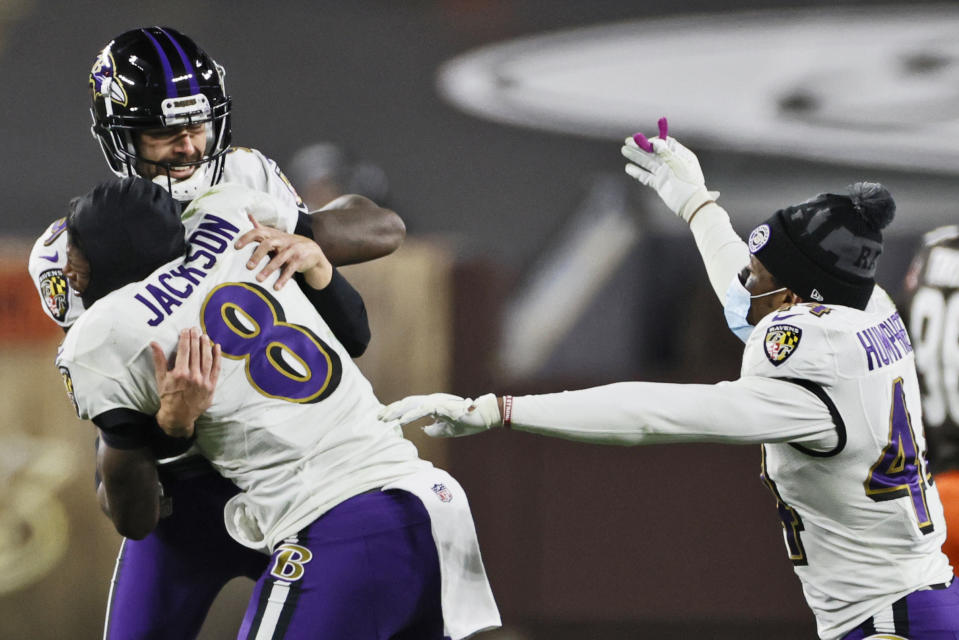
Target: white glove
671	169
455	416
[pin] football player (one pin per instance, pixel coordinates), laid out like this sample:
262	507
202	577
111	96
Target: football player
367	539
828	388
932	308
161	112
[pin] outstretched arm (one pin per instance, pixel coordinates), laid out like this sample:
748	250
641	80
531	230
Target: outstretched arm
673	171
637	413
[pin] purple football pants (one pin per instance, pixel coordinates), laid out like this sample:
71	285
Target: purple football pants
366	570
163	585
931	614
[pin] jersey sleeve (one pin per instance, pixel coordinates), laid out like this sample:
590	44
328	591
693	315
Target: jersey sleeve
272	212
723	252
254	169
234	201
104	369
750	410
796	343
48	257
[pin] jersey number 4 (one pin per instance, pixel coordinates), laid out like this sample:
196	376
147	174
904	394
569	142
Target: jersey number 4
898	473
283	360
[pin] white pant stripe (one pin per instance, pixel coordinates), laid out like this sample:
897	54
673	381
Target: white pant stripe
113	589
279	591
883	621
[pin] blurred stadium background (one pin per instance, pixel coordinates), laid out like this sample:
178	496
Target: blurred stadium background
532	262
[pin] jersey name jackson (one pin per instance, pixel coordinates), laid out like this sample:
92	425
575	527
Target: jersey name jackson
166	291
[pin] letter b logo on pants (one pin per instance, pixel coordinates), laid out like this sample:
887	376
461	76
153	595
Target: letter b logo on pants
290	559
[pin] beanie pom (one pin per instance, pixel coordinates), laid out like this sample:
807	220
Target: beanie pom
874	203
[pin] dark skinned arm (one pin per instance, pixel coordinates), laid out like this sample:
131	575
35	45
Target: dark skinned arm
130	489
354	229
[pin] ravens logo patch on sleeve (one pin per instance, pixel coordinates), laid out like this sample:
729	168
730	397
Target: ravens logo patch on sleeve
781	341
55	290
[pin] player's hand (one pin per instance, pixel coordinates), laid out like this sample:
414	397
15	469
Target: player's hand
186	384
454	416
288	253
671	169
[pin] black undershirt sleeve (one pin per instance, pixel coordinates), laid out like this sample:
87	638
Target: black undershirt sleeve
304	226
129	429
342	307
339	303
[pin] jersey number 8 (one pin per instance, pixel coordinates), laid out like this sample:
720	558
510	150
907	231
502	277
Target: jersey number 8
283	360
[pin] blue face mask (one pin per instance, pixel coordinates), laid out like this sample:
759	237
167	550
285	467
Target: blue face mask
737	306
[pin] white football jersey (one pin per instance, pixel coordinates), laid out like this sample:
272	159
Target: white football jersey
49	254
293	422
832	394
863	524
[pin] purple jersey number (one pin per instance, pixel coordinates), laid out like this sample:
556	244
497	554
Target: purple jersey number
283	360
898	471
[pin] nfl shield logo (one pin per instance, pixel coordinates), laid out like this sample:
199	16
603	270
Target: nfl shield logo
781	341
442	492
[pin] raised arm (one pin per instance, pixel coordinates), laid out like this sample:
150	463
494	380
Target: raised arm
673	171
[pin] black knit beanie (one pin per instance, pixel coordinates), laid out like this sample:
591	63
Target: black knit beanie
126	229
826	249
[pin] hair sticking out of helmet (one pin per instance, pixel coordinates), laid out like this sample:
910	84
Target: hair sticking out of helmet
153	79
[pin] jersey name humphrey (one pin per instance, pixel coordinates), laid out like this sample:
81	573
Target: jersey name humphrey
885	342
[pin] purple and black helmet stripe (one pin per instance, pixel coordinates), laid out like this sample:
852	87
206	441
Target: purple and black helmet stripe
189	70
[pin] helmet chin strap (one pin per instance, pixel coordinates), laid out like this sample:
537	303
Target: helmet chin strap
188	188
